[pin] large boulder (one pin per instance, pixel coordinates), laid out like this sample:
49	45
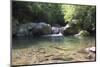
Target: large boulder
33	29
71	28
41	29
24	29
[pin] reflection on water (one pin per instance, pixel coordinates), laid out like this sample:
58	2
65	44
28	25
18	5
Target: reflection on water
52	41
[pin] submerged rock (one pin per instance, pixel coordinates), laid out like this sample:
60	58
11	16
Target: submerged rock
83	33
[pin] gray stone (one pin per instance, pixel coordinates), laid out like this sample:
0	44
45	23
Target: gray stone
41	29
33	29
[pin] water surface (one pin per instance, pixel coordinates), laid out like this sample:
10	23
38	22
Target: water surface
46	42
41	50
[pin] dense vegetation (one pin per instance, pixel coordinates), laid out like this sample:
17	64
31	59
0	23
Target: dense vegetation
55	14
36	12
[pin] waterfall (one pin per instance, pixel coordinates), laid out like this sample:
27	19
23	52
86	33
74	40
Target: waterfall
55	37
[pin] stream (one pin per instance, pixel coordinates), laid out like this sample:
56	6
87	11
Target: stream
41	50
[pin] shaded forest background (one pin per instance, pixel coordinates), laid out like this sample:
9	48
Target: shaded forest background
54	14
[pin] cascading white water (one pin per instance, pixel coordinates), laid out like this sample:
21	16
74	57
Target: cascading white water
55	37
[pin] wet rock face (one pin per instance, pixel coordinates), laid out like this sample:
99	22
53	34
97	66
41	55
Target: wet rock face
71	28
55	30
41	29
33	29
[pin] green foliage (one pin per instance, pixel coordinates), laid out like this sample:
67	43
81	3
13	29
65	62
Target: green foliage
37	12
86	15
54	14
69	11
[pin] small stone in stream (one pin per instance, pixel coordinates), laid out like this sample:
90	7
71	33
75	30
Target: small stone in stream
91	53
91	49
48	55
68	59
62	58
74	54
60	48
91	56
42	51
57	58
35	50
82	51
43	60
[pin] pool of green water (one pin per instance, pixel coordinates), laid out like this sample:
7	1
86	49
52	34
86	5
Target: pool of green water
70	42
41	50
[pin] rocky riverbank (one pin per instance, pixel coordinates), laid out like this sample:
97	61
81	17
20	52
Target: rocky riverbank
42	28
28	56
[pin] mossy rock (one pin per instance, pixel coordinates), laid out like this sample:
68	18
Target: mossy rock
71	28
83	33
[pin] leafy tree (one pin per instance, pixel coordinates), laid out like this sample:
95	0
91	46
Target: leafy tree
86	15
69	11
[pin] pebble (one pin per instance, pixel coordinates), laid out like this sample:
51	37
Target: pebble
90	49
